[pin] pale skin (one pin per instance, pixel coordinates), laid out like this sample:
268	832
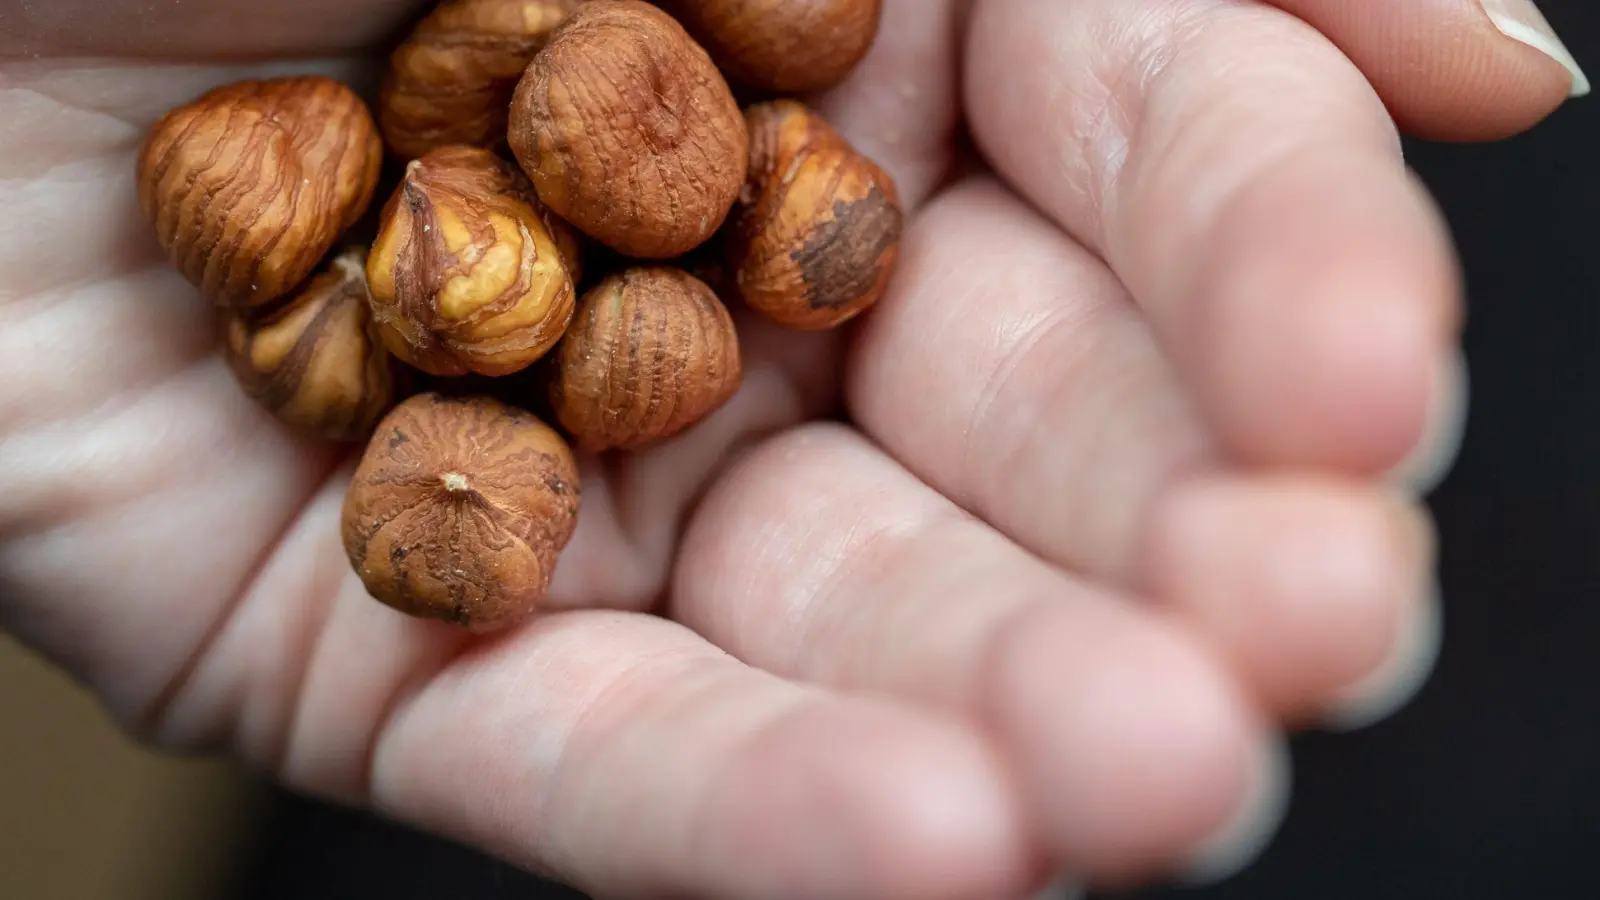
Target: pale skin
1111	519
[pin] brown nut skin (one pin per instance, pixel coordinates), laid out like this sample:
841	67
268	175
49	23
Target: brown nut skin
451	81
816	235
782	46
251	185
459	511
468	273
316	361
651	352
629	131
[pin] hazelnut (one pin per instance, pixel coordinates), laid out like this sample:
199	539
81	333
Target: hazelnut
782	46
451	81
460	509
251	185
816	233
629	132
467	272
651	352
316	361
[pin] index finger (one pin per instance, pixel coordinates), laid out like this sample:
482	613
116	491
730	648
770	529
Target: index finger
1245	183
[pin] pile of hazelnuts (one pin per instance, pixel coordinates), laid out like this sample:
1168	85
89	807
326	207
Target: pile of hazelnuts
575	197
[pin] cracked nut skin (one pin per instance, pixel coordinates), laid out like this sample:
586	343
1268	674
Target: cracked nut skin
459	511
651	352
629	132
251	185
316	361
451	81
782	46
469	272
816	235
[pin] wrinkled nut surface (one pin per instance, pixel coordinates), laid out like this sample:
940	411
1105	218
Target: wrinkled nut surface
629	131
782	46
316	361
467	273
451	81
651	352
815	237
460	509
251	185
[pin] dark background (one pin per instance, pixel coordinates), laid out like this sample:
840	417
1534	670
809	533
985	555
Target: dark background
1489	786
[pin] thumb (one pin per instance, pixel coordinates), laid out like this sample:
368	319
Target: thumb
1458	70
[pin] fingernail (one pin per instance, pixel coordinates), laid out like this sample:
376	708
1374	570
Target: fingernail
1395	683
1436	453
1521	21
1251	829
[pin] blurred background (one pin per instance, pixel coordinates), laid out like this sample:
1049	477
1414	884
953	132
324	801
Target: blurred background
1488	787
86	815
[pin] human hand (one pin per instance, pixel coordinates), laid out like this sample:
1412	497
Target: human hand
1112	517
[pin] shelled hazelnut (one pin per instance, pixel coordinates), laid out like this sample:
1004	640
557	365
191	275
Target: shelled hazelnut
816	234
251	185
629	132
460	509
452	79
782	46
316	360
466	274
651	352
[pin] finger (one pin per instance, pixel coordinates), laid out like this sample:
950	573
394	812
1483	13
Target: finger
674	771
1008	369
1454	69
1245	183
617	752
820	558
1317	589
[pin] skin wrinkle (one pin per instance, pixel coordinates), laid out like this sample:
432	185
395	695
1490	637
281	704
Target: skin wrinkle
1157	72
976	450
39	508
856	543
1105	104
287	748
132	125
313	627
150	721
115	241
612	703
870	549
407	691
